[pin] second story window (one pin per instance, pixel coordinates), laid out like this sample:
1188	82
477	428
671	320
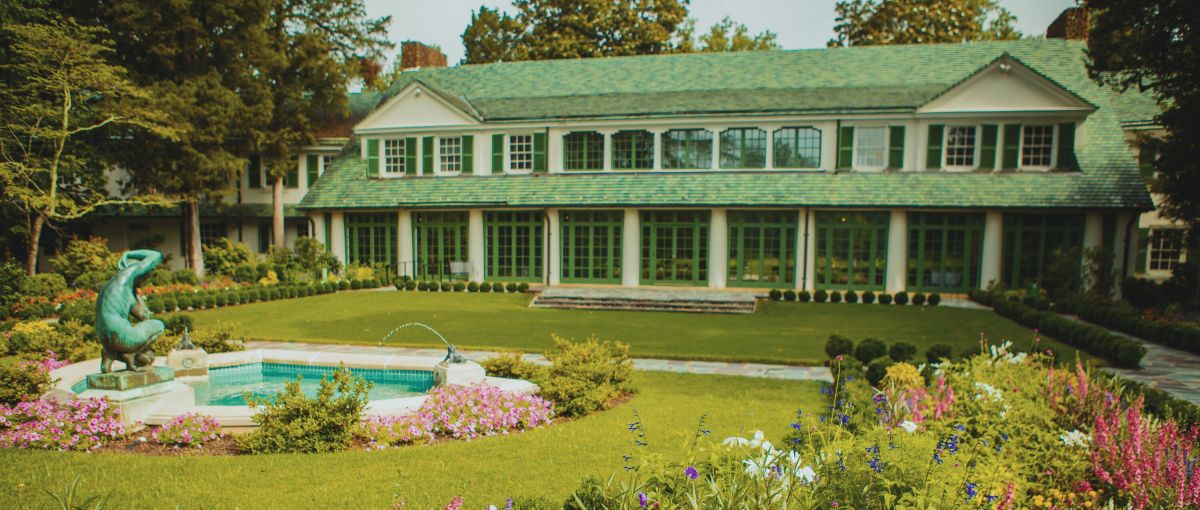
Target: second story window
798	148
633	150
1037	145
393	156
326	162
960	146
520	152
870	147
450	154
1166	249
583	150
687	149
743	148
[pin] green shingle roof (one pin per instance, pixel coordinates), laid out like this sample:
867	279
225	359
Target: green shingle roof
846	80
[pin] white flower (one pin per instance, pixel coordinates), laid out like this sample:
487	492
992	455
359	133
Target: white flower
1076	438
989	390
908	426
752	467
736	441
758	438
806	475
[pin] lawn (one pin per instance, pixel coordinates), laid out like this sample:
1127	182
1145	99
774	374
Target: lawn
781	332
550	461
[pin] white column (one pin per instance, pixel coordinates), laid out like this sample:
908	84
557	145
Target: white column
1122	265
554	254
658	135
630	240
808	251
718	248
716	149
337	234
1093	237
770	143
607	151
897	251
318	228
993	235
404	243
475	243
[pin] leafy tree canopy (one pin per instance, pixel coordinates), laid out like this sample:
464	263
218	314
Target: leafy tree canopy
871	22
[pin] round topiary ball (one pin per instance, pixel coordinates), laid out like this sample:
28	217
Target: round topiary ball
446	286
485	287
821	296
804	296
851	296
901	298
472	287
868	297
918	299
877	370
838	345
835	297
410	285
775	294
885	299
522	287
935	299
789	295
497	287
902	351
459	286
870	349
937	352
511	287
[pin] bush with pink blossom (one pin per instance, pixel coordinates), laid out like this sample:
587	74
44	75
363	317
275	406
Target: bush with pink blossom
78	425
460	412
191	429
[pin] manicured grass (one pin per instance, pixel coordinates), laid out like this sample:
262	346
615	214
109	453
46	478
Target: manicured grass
550	461
781	332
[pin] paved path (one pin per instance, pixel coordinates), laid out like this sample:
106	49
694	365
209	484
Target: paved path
662	365
1171	370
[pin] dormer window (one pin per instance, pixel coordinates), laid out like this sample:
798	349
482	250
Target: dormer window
520	152
870	148
394	152
1037	146
961	146
450	152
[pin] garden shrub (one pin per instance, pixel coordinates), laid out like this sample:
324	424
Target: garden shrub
355	284
935	299
155	304
918	299
82	311
870	349
472	287
1180	334
512	366
851	297
868	297
446	286
12	283
209	300
789	295
293	422
36	310
22	382
432	286
459	286
821	296
485	287
522	287
45	285
224	255
902	351
184	277
343	285
497	287
804	296
877	370
82	256
839	345
901	298
169	304
93	280
410	285
185	301
774	294
937	352
423	285
587	376
175	324
511	287
885	298
904	376
835	297
188	430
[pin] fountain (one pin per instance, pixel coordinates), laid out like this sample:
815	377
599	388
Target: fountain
454	368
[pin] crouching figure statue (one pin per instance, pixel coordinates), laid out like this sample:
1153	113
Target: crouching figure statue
119	338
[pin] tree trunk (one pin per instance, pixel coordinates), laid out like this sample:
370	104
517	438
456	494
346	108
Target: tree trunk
195	253
35	240
277	234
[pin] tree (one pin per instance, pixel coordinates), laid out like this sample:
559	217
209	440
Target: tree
315	48
725	35
493	36
62	89
871	22
1151	45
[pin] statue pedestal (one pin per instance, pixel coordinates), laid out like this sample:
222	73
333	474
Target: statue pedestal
188	362
129	380
461	374
138	403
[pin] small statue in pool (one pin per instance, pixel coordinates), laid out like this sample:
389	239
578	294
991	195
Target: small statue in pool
120	339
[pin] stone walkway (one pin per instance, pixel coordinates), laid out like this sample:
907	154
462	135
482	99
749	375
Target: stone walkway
662	365
1171	370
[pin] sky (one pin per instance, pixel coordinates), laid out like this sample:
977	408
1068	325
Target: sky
799	23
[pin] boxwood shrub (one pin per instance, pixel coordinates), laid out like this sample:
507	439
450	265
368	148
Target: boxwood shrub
459	286
472	287
410	285
485	287
497	287
775	294
511	287
851	296
935	299
789	295
868	297
821	296
839	345
446	286
169	304
835	297
901	298
918	299
885	298
1126	319
344	285
870	349
804	296
522	287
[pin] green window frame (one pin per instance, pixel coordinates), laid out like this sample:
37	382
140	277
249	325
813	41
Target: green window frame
687	149
264	236
395	160
797	147
312	171
743	148
945	251
513	245
633	150
439	238
1034	242
371	238
762	249
674	246
291	178
591	246
851	250
583	150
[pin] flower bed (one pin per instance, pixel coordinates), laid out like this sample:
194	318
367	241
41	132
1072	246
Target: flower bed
188	430
459	412
79	425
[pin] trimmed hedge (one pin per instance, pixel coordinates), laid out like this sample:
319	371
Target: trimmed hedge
789	295
1123	352
775	294
1180	335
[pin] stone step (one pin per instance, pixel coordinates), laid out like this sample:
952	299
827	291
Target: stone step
659	305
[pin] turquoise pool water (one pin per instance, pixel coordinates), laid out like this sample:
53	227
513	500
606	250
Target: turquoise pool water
226	385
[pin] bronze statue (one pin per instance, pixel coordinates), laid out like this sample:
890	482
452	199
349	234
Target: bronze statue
118	300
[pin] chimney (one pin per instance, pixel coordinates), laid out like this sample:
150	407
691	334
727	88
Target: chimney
1073	23
414	55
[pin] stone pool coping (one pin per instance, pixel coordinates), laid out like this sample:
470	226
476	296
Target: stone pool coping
241	416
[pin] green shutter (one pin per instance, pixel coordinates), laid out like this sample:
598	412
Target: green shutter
896	147
933	154
328	232
987	147
539	152
292	179
254	172
498	153
373	158
1012	146
468	154
1066	146
310	165
845	158
427	155
410	155
1143	249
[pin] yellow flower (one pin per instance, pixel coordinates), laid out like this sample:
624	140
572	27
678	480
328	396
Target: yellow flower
1088	504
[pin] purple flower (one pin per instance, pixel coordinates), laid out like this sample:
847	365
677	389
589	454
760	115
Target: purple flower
691	473
642	500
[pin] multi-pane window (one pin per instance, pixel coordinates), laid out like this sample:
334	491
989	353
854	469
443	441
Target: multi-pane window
264	237
393	156
371	238
687	149
797	148
450	154
870	147
743	148
583	150
960	146
513	245
520	152
210	232
302	230
1037	145
633	150
1166	249
1036	243
326	162
851	250
944	250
